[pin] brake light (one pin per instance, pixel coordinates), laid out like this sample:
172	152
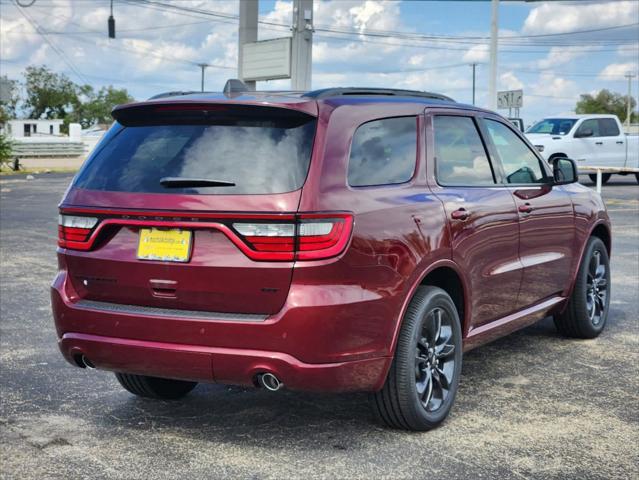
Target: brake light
74	231
313	237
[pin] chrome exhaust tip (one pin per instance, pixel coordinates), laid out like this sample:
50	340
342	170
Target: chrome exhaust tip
86	362
269	382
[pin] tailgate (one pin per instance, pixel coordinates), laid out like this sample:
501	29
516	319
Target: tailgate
162	213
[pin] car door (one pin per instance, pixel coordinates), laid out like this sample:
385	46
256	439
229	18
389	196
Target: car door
587	143
546	219
613	148
481	214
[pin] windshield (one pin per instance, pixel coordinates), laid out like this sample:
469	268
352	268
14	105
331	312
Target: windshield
553	126
236	157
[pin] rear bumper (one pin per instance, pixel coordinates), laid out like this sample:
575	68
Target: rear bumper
223	365
316	343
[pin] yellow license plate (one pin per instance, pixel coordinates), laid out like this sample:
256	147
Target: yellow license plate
172	245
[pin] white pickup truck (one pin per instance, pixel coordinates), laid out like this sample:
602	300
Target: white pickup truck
590	140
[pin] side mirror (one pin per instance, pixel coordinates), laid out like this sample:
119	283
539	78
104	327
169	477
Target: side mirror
564	171
586	132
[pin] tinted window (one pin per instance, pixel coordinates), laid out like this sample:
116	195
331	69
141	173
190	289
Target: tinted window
591	124
553	126
460	155
262	156
383	152
608	127
519	162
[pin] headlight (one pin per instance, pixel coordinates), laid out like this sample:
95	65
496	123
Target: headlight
540	148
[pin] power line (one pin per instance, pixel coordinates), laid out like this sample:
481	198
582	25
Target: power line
60	52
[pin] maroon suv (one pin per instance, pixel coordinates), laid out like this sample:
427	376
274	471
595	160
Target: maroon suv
336	240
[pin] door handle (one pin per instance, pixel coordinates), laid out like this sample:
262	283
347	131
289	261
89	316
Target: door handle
460	214
598	143
619	142
526	208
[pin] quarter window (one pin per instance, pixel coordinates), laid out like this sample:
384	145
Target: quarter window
459	153
383	152
520	164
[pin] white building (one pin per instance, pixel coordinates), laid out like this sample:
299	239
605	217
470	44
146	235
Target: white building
33	128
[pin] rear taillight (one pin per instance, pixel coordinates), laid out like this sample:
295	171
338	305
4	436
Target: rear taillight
74	231
312	237
287	237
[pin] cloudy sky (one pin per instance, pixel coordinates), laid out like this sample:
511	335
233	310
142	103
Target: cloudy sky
403	44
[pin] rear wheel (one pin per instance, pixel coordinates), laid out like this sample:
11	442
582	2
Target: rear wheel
604	177
153	387
587	310
637	177
422	381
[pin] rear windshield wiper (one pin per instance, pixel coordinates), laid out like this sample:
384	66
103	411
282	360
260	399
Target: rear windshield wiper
179	182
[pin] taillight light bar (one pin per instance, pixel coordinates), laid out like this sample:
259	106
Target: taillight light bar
74	231
312	237
286	237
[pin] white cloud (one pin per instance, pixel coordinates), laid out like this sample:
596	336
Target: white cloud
558	56
550	85
618	70
476	54
509	81
565	17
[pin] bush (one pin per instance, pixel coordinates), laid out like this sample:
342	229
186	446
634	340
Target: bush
5	148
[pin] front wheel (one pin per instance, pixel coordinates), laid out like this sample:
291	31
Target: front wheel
422	381
604	178
587	310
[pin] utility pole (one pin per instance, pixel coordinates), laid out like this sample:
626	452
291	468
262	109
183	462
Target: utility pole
474	65
202	66
246	34
492	78
629	76
302	48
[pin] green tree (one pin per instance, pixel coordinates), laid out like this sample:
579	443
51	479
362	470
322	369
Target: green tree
95	108
10	99
5	148
605	101
48	94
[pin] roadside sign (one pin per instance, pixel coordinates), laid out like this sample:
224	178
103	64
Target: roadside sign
267	60
510	99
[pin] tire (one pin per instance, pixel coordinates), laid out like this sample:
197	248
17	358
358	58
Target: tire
399	404
587	310
604	178
637	177
153	387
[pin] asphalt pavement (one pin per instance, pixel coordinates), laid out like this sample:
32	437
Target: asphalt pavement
530	405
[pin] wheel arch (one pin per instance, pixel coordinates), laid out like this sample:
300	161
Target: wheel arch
600	230
446	275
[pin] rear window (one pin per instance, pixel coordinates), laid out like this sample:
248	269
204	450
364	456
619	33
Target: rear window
257	153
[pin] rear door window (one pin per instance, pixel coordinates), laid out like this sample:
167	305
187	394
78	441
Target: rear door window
608	127
258	155
459	153
383	152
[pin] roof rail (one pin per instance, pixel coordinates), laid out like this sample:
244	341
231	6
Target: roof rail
394	92
171	94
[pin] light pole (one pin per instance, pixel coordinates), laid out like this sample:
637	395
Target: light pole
474	65
203	67
629	76
492	77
